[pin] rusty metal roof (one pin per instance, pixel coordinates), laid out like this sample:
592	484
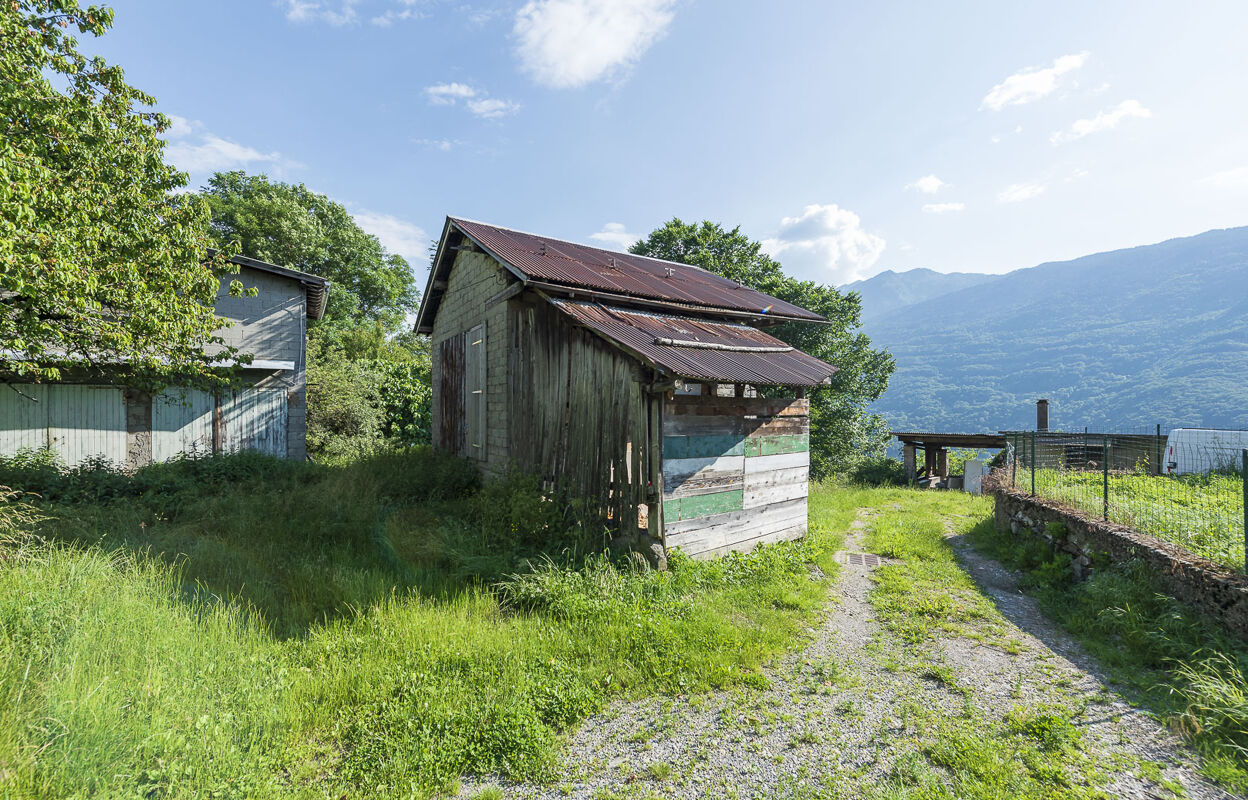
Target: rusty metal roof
724	352
540	258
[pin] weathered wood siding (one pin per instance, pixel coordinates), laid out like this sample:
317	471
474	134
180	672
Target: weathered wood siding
581	418
735	472
474	280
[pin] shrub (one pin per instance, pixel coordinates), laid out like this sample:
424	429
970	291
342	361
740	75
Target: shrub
878	471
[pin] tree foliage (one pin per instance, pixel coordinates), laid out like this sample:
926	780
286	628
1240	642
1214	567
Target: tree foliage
293	226
842	430
100	260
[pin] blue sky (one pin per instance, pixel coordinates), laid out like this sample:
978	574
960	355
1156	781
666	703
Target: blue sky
850	137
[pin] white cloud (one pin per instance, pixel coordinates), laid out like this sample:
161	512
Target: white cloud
1104	121
445	94
928	184
476	101
492	107
568	43
396	235
1017	192
1235	178
827	243
1032	83
444	145
179	127
406	10
192	149
614	236
341	13
943	208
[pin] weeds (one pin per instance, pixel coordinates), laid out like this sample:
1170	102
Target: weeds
237	626
1182	666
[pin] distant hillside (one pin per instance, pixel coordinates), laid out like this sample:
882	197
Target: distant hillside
889	291
1119	341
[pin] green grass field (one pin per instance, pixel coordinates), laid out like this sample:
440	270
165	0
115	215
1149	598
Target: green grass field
243	628
1203	514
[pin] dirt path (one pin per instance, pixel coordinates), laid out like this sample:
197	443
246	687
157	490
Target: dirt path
849	714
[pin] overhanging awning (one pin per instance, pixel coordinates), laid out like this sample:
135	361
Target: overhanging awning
699	349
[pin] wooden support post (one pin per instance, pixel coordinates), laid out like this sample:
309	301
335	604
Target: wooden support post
708	390
942	465
929	463
907	458
738	390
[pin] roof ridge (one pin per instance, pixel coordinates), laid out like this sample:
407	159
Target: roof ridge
591	247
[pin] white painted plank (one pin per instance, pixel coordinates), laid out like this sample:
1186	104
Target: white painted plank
782	461
777	477
678	470
766	495
721	539
720	530
797	531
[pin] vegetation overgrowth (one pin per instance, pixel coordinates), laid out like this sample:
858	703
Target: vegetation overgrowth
1202	513
241	626
1163	654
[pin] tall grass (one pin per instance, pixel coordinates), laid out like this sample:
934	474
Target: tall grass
237	627
1187	669
1202	513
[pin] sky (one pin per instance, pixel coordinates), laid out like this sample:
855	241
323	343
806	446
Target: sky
849	138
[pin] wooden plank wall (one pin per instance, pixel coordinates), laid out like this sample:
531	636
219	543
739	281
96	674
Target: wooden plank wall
735	472
580	418
449	433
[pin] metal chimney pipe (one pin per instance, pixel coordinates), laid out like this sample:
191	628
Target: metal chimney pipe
1042	415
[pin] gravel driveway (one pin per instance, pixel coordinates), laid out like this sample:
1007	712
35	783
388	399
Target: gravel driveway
841	719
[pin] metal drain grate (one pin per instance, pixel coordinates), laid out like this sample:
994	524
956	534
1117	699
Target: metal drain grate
868	560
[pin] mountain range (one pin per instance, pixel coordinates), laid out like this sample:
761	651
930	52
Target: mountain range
1118	341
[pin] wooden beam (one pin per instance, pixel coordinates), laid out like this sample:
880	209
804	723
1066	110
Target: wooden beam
506	294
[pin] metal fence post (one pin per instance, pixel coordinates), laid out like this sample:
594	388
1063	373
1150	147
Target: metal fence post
1157	470
1243	476
1033	463
1105	476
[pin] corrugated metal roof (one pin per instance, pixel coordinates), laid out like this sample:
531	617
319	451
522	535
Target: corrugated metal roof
567	263
724	352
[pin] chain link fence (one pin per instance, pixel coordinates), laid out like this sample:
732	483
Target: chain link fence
1186	490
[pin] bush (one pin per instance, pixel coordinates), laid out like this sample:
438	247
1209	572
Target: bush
878	471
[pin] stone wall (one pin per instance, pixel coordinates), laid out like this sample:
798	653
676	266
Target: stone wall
1218	591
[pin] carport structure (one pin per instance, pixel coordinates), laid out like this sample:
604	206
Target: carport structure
935	447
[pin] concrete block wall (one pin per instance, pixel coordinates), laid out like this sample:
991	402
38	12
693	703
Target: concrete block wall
474	279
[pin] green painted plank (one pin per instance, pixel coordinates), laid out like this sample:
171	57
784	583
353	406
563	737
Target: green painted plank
703	446
704	505
776	445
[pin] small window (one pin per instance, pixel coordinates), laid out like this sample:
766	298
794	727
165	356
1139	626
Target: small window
474	392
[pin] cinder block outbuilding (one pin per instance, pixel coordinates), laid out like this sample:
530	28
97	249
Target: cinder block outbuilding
88	417
633	383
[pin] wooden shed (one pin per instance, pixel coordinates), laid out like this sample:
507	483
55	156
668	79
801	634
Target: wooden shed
627	381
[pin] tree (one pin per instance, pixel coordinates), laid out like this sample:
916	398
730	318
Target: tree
100	261
293	226
842	430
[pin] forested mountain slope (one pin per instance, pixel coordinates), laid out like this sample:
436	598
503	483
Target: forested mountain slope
888	291
1117	341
